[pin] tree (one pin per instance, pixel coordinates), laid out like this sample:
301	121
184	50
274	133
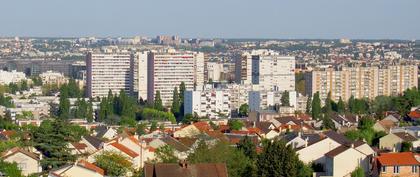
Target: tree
327	123
157	104
243	110
141	129
406	146
113	163
247	147
189	118
328	107
64	105
309	105
235	124
89	112
277	159
165	154
341	108
182	90
358	172
153	126
176	103
285	98
51	138
10	169
316	106
237	163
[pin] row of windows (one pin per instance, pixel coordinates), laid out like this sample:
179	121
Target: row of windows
396	169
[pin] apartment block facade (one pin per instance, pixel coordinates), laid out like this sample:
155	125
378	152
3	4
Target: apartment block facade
211	103
168	69
361	81
266	68
109	71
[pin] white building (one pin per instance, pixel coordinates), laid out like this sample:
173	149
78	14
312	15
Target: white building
212	103
260	100
266	68
168	69
11	77
108	71
140	74
214	71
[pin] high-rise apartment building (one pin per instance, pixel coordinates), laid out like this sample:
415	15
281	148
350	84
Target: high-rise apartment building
266	68
361	81
140	74
109	71
166	70
212	103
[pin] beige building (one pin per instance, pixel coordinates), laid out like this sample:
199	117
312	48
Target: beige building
361	82
26	161
51	77
168	69
109	71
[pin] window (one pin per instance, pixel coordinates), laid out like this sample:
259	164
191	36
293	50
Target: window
414	169
396	169
383	169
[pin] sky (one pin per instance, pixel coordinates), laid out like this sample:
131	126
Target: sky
280	19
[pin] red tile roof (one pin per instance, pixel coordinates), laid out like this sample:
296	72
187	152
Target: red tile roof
202	126
414	114
124	149
90	166
403	158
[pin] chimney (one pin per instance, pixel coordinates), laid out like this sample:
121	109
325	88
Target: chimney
357	118
253	124
352	145
183	164
299	134
306	142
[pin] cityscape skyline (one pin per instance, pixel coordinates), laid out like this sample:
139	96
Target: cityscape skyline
216	19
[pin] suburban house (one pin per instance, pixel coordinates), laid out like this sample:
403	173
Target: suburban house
125	151
77	148
105	132
268	130
28	162
394	117
184	170
345	120
93	143
189	130
414	115
397	164
298	140
384	125
344	159
181	150
81	168
316	151
393	141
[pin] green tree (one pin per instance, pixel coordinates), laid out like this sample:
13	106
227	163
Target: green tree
141	129
157	104
189	118
153	126
113	163
89	112
328	107
406	146
247	147
237	163
277	159
235	124
10	169
243	110
285	98
309	105
341	107
182	90
165	154
51	138
64	105
316	106
358	172
176	103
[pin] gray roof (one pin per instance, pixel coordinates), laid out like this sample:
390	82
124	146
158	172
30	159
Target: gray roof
94	141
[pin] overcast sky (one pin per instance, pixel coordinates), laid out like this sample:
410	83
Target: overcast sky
368	19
